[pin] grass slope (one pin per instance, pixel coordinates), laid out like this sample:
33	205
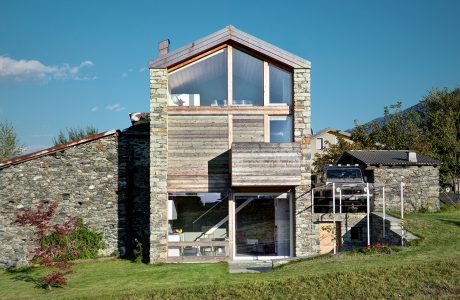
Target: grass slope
430	269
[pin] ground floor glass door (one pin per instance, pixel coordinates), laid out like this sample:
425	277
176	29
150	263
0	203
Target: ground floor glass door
263	225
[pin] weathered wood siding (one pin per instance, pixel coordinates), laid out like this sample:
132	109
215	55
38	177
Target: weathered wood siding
265	164
248	128
198	153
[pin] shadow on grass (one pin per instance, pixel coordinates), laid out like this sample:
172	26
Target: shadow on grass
450	222
25	274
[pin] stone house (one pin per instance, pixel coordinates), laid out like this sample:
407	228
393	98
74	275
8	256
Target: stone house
419	173
329	135
219	169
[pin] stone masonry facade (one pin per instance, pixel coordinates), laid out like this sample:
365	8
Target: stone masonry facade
421	190
84	182
158	165
306	228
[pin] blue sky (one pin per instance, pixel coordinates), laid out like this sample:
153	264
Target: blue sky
76	63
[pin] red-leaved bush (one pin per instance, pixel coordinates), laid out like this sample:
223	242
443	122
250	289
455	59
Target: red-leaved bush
54	257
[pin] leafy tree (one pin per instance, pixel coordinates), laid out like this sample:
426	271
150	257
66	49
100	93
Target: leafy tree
442	125
9	142
401	131
55	257
74	134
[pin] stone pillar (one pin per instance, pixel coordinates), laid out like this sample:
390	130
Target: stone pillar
158	165
306	231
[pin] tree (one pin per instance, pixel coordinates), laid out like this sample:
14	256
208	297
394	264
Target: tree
401	131
9	142
74	134
52	256
442	124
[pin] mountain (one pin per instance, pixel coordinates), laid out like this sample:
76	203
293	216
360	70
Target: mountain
418	108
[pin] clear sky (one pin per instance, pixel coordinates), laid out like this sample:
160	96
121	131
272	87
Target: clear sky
77	63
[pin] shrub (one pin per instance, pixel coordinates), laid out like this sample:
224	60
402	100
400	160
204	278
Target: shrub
83	242
138	257
59	243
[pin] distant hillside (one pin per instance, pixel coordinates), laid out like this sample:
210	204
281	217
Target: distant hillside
381	121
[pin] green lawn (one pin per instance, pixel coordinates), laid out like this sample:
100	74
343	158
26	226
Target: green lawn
430	269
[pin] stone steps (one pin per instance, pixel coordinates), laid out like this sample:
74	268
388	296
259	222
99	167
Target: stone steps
252	266
394	224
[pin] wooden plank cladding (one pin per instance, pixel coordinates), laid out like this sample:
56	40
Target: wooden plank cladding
198	158
248	128
274	110
265	164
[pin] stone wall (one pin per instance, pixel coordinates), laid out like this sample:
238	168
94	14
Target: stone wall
84	181
390	237
158	165
347	222
306	236
421	190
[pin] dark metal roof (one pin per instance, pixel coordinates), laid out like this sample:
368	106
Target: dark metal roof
223	36
50	150
385	158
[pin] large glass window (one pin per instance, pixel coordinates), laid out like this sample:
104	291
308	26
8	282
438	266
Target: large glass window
248	79
204	82
198	224
280	129
280	85
201	83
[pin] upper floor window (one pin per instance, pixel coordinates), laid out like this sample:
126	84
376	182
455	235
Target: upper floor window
280	129
248	79
200	83
280	85
319	143
230	77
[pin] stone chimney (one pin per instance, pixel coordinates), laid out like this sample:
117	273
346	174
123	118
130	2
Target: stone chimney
412	156
163	47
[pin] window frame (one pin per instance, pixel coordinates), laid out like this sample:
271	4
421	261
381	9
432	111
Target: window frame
266	73
322	143
291	140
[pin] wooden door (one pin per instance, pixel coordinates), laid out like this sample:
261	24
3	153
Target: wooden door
326	237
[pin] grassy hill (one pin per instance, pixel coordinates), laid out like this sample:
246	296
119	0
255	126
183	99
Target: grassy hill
430	269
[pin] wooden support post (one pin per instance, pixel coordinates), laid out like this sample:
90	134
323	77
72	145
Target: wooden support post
266	84
266	128
230	75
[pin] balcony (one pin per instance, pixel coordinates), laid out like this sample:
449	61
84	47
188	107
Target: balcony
265	164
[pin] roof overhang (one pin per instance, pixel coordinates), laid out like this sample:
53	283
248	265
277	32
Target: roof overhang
228	35
53	149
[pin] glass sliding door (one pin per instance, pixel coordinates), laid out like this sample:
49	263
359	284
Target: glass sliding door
263	225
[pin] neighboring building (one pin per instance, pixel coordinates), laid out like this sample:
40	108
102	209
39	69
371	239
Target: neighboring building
319	139
103	179
419	173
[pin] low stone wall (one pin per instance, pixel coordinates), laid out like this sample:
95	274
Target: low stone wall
347	221
390	237
84	181
421	190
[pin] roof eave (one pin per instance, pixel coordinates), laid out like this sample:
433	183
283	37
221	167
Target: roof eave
50	150
223	36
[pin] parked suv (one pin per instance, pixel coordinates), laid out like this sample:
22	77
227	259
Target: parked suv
348	180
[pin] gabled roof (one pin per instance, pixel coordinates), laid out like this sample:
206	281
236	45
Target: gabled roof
385	158
228	34
333	130
50	150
